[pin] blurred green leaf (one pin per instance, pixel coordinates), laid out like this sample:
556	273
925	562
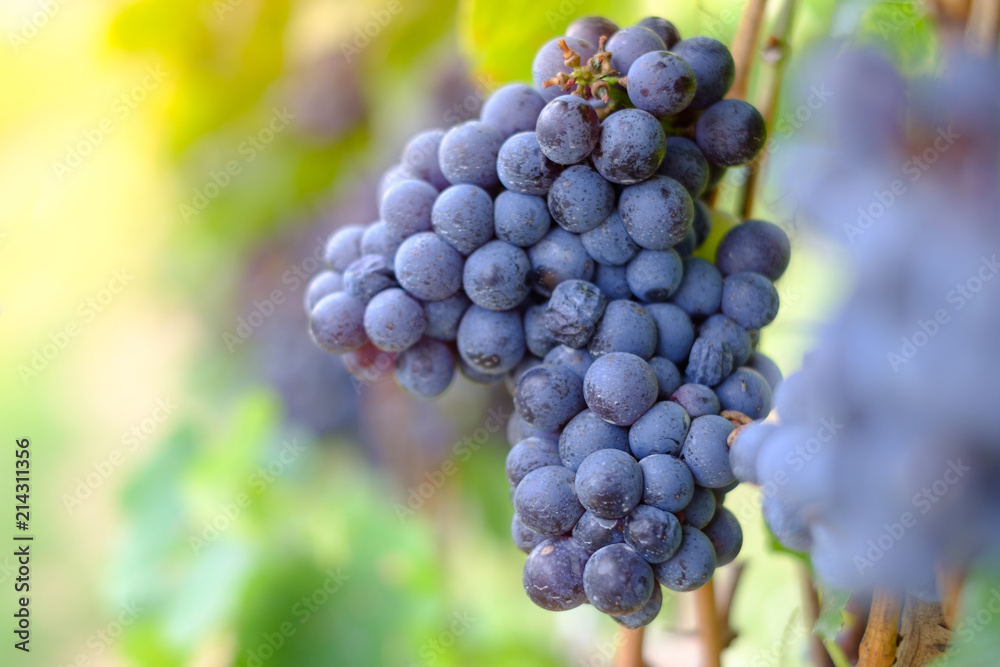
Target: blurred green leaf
831	613
976	632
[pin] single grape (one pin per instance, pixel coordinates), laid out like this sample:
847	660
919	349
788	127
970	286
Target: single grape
337	323
463	216
702	222
628	44
663	28
428	267
668	377
697	400
786	522
593	533
573	312
749	299
693	564
568	128
537	335
557	257
731	132
394	320
646	615
322	284
654	275
524	538
617	580
591	28
726	535
369	364
713	67
660	431
724	330
491	342
514	375
587	433
530	454
521	220
523	167
394	174
443	316
406	208
420	157
619	387
667	482
609	483
675	331
745	391
706	453
710	362
426	369
518	430
548	396
343	248
745	449
661	83
654	534
497	276
755	245
701	509
700	291
580	199
609	243
553	574
625	327
612	281
764	365
368	276
550	62
577	361
546	500
685	163
378	240
468	154
631	146
657	213
512	108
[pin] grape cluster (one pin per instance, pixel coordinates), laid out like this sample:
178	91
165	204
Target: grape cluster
552	243
882	458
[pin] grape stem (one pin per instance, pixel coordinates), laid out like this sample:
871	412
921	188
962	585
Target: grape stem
708	625
810	608
878	648
744	45
593	79
949	584
726	632
629	648
981	29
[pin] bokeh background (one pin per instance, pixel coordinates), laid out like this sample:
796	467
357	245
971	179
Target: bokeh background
209	488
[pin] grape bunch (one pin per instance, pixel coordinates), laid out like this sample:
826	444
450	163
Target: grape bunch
882	458
559	243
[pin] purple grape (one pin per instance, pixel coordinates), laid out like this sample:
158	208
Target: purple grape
548	396
553	574
657	213
546	500
661	83
468	154
337	323
522	166
619	387
631	146
580	199
568	129
497	276
521	220
587	433
512	108
394	320
463	216
428	267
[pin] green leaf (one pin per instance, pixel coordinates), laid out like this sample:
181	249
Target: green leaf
976	633
831	613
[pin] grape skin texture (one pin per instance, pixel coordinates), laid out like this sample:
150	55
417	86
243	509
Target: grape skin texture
378	240
625	327
521	220
512	108
661	83
548	396
549	62
631	146
546	500
697	400
705	451
496	276
536	333
612	281
749	299
685	163
368	276
667	376
523	167
654	534
573	312
646	615
426	369
710	362
726	535
755	245
558	257
343	248
724	330
394	320
619	387
692	566
617	580
523	538
428	267
337	323
587	433
676	333
443	316
406	208
491	342
593	533
567	130
731	132
463	216
580	199
468	154
660	431
700	292
530	454
628	44
713	67
657	213
666	30
701	509
745	391
591	28
609	483
609	244
667	483
420	157
322	284
577	361
654	275
553	574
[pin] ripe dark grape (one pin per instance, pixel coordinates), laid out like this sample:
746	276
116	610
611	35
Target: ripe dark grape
710	362
426	369
764	365
443	316
378	240
731	132
557	257
628	44
726	536
576	360
463	216
755	245
617	580
625	327
619	387
685	163
587	433
713	67
700	292
343	248
567	129
394	320
693	564
497	276
675	331
553	574
548	396
428	267
666	30
573	312
668	377
322	284
612	281
537	335
337	323
660	431
521	220
697	400
609	243
631	146
591	28
654	534
468	154
724	330
524	539
420	158
654	275
549	62
580	199
593	533
656	213
706	453
609	483
368	276
406	208
661	83
523	167
512	108
530	454
546	500
646	614
491	342
701	509
745	391
667	483
750	299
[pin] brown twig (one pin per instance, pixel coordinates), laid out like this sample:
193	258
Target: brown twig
878	648
981	28
775	56
949	585
810	607
923	636
629	648
745	44
708	625
725	605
